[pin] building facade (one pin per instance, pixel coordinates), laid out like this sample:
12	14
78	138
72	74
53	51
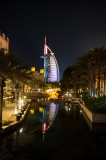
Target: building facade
38	75
4	43
51	68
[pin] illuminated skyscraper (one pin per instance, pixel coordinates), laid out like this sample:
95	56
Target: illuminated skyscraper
51	69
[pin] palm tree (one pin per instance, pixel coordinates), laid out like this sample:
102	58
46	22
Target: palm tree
66	79
70	79
91	65
100	62
83	69
86	65
104	76
43	86
87	70
12	68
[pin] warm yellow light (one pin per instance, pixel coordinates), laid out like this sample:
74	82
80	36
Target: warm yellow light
53	93
33	69
31	111
40	109
41	70
22	102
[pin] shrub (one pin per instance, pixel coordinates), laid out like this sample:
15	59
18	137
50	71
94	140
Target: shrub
97	105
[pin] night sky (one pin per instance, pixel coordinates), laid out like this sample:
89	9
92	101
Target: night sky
71	27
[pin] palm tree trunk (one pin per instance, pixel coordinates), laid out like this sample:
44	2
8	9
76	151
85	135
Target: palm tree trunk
90	91
16	101
101	86
94	89
94	85
23	88
1	99
91	81
99	82
20	99
104	83
75	91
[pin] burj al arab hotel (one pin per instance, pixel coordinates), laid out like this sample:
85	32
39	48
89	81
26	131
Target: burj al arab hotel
51	68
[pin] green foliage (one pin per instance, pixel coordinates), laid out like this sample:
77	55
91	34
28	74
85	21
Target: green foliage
84	72
12	68
97	105
69	78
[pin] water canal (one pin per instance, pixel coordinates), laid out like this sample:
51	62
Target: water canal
58	132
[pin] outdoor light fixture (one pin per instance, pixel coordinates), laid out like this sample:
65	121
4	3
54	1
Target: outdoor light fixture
22	102
32	111
21	130
41	109
15	110
80	111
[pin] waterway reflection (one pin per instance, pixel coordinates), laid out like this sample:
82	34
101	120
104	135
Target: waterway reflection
54	131
49	115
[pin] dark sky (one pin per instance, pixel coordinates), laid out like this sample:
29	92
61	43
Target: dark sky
71	27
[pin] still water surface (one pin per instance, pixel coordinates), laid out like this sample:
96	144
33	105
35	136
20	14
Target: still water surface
54	132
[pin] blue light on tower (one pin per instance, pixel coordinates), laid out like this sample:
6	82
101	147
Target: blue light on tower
51	68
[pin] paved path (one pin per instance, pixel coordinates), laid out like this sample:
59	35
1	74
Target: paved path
8	112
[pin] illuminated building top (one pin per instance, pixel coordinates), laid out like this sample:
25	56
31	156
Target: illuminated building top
4	43
51	69
41	70
38	75
33	69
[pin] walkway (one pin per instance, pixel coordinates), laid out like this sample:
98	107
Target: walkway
8	112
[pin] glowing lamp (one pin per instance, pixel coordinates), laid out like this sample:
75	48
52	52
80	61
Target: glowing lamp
41	70
22	102
21	130
31	111
33	69
41	109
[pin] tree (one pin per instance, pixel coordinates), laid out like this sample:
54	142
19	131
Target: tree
43	86
100	62
85	64
11	68
70	79
87	72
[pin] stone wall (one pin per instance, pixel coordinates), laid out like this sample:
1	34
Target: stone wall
94	117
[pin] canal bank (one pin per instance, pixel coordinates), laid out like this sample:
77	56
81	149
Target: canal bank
96	122
19	118
93	117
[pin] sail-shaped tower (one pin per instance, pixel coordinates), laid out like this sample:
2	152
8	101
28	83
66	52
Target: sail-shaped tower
51	68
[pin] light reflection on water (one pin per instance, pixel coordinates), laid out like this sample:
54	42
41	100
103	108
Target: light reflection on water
47	117
54	128
48	120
